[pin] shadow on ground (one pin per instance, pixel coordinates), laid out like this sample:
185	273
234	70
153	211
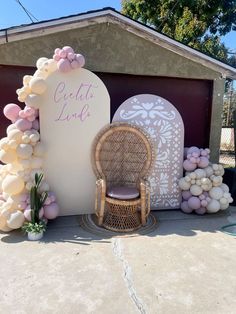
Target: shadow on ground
71	229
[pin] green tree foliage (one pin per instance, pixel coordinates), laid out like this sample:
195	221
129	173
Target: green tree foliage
197	23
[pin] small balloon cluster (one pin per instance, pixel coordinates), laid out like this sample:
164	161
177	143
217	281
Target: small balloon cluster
67	59
203	190
196	158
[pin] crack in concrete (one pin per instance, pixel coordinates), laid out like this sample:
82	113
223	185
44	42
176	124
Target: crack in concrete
127	276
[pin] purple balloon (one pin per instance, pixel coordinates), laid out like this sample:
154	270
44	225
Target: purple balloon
51	211
64	65
186	195
204	162
185	208
200	211
194	202
188	166
80	60
35	124
194	149
23	124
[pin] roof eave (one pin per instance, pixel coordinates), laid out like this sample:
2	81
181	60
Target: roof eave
110	15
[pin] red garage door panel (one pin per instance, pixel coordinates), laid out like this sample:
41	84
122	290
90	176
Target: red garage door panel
192	98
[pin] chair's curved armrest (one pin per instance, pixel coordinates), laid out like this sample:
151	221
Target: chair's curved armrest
101	183
144	183
145	195
100	196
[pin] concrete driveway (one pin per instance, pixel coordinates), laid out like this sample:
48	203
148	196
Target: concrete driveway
187	265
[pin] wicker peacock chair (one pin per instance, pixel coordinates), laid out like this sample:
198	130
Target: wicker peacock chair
122	156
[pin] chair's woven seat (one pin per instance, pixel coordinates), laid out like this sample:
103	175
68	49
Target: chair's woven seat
123	192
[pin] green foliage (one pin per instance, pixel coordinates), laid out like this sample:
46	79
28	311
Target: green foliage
37	201
197	23
34	227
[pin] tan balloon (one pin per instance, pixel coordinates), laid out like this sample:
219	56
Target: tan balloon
8	156
15	134
38	85
12	185
5	229
15	167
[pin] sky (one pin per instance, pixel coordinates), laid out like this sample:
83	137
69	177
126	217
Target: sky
11	14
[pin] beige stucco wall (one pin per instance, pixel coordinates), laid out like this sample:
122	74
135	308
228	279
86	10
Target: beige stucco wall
109	48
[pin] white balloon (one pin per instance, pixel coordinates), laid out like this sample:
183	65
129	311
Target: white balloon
16	220
24	151
213	206
33	100
184	185
40	62
216	193
196	190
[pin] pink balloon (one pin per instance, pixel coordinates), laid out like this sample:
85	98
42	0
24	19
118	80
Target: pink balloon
204	162
193	160
29	111
80	59
27	213
196	154
52	197
51	211
31	118
62	54
64	65
194	149
75	64
194	202
56	57
204	203
186	195
35	124
23	124
68	49
11	112
202	197
200	211
185	208
22	114
189	166
48	201
70	56
23	205
56	51
204	153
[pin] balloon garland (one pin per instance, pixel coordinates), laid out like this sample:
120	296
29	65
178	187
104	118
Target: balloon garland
203	190
21	150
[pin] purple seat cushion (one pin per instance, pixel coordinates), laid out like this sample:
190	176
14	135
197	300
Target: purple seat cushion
123	192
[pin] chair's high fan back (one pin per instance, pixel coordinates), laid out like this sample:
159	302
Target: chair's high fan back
122	154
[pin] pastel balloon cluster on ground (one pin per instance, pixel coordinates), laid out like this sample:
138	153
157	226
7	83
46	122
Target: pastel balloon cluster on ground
67	59
203	190
22	152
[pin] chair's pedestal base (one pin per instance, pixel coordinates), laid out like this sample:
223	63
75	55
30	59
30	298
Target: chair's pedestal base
122	218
